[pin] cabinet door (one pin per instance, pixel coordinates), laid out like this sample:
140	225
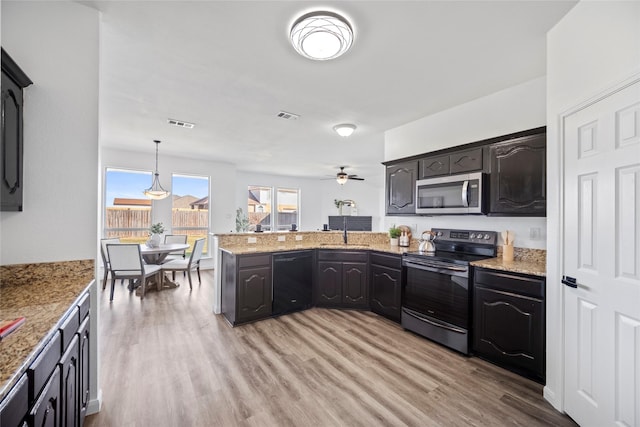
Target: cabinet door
84	337
509	330
386	291
355	289
401	188
15	405
11	148
69	367
46	411
254	293
329	283
466	161
518	177
434	166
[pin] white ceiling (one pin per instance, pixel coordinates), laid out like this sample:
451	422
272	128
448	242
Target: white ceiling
228	67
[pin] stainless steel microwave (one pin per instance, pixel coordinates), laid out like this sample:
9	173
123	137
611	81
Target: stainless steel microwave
457	194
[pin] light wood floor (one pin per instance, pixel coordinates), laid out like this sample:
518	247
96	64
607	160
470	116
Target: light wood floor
169	361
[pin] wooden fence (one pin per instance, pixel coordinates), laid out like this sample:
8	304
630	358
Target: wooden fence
136	222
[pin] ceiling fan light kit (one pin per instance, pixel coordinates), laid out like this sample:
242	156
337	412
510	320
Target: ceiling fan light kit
344	129
156	192
321	35
342	177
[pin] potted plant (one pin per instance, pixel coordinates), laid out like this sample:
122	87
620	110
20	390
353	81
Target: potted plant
339	204
155	233
394	234
242	222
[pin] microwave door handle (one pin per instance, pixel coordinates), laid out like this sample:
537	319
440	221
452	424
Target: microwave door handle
465	194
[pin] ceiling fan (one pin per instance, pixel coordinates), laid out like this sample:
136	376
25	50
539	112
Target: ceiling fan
342	176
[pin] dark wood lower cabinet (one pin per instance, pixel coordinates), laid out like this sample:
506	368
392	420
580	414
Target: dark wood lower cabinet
54	391
246	287
385	275
69	367
84	354
342	279
509	321
46	411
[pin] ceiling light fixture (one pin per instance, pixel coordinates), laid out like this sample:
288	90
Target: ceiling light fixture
321	35
344	129
342	177
156	191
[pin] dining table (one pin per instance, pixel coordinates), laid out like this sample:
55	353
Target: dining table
156	255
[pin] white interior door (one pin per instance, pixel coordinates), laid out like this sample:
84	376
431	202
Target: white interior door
602	254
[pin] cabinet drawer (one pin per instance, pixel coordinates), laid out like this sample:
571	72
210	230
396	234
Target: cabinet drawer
69	328
14	407
245	261
350	256
466	161
42	367
510	282
391	261
84	305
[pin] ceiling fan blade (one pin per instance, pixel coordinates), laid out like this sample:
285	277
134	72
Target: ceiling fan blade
355	177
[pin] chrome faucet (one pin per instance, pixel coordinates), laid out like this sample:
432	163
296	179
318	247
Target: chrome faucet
344	221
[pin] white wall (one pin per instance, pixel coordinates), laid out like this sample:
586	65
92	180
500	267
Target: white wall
511	110
316	197
593	48
60	131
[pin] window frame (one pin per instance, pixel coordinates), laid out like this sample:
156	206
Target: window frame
117	232
174	228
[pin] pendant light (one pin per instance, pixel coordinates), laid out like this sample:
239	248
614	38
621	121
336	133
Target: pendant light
156	192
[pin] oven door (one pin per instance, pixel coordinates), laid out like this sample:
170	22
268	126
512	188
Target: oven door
441	293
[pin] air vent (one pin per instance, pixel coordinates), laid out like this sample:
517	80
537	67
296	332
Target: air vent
288	116
181	123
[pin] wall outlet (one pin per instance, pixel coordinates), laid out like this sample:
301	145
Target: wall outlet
252	240
534	233
298	237
282	238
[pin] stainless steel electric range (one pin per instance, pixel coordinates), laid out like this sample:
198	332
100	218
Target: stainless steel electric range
435	297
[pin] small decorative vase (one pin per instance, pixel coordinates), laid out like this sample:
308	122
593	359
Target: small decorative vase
154	240
393	241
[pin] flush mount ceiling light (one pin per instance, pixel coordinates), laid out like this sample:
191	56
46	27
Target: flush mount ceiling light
156	191
345	129
321	35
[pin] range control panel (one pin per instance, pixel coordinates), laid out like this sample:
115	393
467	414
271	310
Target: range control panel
467	236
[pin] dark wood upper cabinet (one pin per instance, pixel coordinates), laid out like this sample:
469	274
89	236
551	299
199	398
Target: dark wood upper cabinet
451	164
401	188
11	138
518	177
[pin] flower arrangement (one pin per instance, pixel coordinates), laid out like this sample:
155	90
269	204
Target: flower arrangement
394	232
157	228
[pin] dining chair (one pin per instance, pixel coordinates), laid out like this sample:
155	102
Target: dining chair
126	263
105	257
175	238
187	264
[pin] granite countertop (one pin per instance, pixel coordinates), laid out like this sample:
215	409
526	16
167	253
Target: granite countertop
245	249
43	293
525	266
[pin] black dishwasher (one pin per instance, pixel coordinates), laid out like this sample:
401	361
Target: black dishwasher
292	277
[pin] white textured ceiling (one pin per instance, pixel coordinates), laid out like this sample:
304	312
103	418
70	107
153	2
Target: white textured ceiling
228	67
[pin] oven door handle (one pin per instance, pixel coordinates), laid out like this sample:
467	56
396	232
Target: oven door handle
465	193
434	268
418	316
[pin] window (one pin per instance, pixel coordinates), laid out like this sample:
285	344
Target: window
259	207
288	208
190	208
127	212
